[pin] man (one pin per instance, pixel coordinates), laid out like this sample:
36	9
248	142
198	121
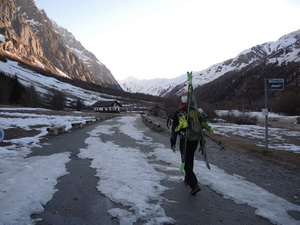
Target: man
179	128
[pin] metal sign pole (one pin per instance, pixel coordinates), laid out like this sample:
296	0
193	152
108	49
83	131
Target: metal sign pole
266	113
270	84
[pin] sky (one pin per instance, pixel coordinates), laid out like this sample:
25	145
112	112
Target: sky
166	38
18	201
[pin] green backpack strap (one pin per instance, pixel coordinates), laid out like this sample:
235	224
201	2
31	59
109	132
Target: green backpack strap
182	122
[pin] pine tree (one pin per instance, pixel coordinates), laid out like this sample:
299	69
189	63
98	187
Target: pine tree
30	98
79	105
58	100
16	91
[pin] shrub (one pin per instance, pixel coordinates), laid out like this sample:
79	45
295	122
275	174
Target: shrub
240	118
208	109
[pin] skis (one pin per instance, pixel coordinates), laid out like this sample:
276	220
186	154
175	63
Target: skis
190	96
192	102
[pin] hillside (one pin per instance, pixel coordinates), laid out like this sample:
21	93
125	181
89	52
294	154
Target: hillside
275	54
238	83
101	73
30	36
244	89
46	85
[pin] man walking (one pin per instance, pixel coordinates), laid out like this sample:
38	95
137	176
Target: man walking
188	145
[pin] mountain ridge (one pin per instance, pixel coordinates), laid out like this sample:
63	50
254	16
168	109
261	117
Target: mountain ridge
98	69
243	59
30	37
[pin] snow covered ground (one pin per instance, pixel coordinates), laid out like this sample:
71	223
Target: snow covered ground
28	183
230	186
43	84
278	138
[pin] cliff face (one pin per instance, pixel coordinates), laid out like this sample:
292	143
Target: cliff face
19	36
100	72
30	36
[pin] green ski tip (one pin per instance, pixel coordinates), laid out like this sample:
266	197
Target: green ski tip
190	76
182	167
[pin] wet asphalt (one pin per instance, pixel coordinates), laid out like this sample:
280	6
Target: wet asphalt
77	200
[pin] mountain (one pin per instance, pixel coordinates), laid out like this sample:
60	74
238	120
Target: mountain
38	88
272	51
45	85
30	36
101	73
245	88
158	87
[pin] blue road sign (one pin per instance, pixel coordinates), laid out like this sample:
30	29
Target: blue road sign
275	84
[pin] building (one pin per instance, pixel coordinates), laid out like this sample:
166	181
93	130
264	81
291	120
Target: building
107	106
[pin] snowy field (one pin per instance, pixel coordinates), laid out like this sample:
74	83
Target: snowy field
278	138
43	84
18	173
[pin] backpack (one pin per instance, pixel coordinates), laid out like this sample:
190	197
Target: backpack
190	124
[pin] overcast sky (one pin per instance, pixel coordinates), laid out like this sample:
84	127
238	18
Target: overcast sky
166	38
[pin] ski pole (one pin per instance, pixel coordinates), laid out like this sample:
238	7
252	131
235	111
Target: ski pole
218	143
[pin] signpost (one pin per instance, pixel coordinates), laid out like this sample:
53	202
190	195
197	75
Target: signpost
275	84
270	84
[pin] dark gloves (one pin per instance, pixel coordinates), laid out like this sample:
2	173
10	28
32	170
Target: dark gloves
173	144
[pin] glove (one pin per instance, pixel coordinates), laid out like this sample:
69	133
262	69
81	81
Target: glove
207	127
173	144
210	129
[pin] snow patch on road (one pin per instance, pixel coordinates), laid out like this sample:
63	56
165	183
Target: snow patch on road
239	190
27	184
126	177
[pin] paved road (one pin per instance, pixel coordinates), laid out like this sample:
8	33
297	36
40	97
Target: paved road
77	200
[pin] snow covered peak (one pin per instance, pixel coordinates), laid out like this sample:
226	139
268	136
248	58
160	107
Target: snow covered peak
162	87
290	38
158	86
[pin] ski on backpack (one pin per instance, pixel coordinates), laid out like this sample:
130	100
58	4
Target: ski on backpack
190	92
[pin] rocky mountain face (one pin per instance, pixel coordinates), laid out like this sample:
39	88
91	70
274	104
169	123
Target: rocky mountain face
101	73
29	35
283	50
245	88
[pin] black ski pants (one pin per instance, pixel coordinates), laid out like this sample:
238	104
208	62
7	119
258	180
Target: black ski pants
191	147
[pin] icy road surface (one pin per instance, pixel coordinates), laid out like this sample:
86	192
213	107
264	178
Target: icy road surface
120	172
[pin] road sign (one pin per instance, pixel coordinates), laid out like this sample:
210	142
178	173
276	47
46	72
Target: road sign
270	84
275	84
1	135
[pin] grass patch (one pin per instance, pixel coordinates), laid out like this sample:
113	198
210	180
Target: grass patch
285	158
